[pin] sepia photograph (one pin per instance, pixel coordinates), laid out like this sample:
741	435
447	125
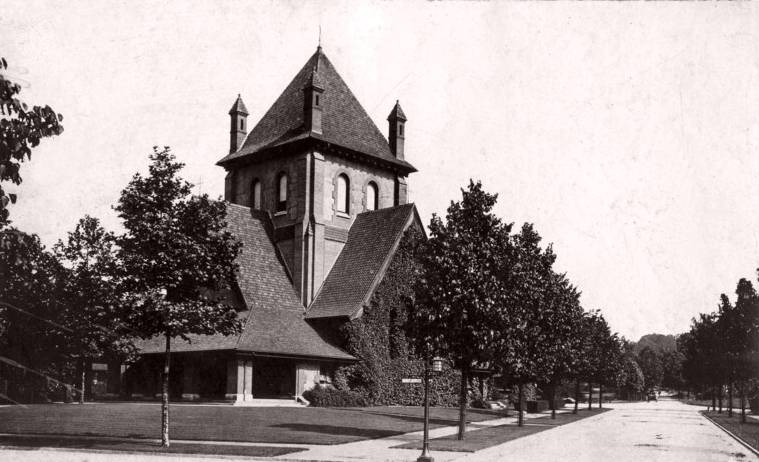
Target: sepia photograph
419	231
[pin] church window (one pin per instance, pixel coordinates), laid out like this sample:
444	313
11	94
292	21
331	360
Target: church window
317	100
242	127
400	129
343	194
282	193
255	191
371	196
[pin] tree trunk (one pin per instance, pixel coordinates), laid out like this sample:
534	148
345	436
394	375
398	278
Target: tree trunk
83	381
577	396
730	400
743	404
590	396
520	418
719	398
600	395
553	401
714	398
462	405
165	397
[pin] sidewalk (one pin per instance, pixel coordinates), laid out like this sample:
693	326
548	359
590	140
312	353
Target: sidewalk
382	449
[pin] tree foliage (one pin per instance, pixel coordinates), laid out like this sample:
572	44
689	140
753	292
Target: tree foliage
459	305
21	129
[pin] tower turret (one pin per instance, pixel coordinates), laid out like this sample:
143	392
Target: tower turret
313	101
396	135
238	116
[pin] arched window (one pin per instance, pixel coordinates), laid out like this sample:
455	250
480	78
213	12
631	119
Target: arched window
282	192
343	193
255	195
371	196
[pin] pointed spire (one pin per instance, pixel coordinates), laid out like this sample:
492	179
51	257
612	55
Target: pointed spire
397	112
238	107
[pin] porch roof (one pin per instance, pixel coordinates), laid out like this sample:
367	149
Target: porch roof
270	311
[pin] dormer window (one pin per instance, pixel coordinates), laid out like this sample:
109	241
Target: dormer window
255	195
282	192
343	193
371	196
400	129
317	100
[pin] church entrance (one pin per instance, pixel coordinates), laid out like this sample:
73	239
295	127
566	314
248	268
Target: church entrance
273	378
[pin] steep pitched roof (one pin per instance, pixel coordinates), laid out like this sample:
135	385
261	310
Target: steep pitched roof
344	120
273	318
371	244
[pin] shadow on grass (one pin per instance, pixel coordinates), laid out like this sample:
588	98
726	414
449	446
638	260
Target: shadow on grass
369	433
28	442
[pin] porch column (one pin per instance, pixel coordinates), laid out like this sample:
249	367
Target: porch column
239	380
248	384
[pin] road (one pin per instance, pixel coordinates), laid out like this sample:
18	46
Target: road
657	431
661	431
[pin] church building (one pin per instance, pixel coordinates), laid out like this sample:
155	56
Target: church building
318	198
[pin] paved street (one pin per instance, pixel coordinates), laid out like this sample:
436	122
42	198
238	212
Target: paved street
657	431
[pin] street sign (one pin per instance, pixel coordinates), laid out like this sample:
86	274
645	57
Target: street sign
411	380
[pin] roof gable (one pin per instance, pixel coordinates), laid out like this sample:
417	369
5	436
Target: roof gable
361	265
344	120
273	318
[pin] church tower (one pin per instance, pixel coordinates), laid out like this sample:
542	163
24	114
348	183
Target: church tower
312	163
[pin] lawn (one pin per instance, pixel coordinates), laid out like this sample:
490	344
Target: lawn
748	432
143	446
474	440
226	423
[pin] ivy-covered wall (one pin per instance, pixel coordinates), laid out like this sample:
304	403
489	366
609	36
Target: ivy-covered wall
378	339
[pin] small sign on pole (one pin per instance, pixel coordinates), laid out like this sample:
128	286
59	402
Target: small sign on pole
411	380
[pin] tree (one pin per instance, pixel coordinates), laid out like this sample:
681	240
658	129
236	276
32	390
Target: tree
545	307
176	257
21	130
650	362
603	354
32	336
90	295
458	297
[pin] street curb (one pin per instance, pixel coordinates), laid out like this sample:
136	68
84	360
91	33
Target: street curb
734	436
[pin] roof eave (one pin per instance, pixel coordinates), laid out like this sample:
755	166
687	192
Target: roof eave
314	140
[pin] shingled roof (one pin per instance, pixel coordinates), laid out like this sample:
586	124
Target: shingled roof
371	244
344	121
273	318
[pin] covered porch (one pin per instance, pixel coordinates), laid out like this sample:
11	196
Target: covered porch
232	376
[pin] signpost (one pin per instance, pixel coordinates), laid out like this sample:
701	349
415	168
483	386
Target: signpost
411	380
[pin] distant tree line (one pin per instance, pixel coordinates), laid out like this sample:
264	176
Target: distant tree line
721	350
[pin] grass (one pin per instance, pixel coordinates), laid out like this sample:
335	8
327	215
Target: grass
474	440
708	402
226	423
145	446
748	432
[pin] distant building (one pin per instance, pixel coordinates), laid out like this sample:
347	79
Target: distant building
318	197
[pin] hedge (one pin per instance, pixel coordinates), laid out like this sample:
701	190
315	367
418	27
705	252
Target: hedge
332	397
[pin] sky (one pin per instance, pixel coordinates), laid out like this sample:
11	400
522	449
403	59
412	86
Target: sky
627	132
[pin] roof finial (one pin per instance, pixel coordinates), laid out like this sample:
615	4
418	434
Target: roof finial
319	44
